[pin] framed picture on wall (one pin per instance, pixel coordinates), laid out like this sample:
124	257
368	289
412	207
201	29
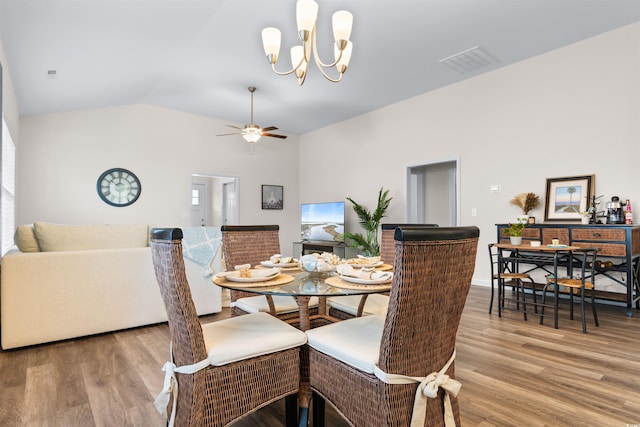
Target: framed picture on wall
272	197
567	197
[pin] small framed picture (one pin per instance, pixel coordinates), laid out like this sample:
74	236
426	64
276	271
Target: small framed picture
272	197
568	197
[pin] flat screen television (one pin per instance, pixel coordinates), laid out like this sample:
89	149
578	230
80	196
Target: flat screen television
322	221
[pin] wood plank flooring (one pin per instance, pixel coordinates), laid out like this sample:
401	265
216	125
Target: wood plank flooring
513	373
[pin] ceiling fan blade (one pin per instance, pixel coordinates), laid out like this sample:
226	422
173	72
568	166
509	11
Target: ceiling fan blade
235	127
269	128
227	134
273	135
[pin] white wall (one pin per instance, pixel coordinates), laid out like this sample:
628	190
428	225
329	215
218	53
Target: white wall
60	157
9	102
573	111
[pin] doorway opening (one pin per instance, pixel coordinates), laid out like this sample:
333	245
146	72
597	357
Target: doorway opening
433	193
214	200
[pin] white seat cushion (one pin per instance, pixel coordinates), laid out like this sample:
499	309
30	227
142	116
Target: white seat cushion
258	303
355	342
243	337
376	304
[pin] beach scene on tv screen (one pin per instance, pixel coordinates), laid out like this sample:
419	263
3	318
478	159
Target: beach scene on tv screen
323	221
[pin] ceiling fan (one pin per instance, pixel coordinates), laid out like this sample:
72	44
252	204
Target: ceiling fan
252	132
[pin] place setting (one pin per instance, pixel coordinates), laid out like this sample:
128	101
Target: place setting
284	263
245	276
372	262
358	278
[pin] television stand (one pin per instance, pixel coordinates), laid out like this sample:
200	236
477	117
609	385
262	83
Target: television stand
312	246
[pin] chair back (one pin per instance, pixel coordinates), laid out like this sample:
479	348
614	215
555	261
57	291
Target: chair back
187	340
388	243
249	244
431	280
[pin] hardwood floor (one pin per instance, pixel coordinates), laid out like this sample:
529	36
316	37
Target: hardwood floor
513	373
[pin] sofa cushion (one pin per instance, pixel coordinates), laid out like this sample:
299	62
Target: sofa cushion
63	237
25	239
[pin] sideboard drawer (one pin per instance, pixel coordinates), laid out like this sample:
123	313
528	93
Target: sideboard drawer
605	249
548	234
606	234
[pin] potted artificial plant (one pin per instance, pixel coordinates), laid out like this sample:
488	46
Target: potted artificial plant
514	231
370	221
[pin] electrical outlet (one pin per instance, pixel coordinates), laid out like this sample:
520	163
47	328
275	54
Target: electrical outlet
474	212
494	189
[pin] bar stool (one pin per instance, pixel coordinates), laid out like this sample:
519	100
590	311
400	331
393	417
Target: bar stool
587	258
502	276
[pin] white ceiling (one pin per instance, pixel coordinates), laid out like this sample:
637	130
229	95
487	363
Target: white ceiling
200	56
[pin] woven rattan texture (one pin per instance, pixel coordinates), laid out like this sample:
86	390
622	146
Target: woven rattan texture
429	290
214	396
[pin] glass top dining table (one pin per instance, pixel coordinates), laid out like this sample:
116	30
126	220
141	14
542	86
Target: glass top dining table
302	286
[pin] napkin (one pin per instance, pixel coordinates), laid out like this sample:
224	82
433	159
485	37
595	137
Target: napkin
279	259
265	272
363	273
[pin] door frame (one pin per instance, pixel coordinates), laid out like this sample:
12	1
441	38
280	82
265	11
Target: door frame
417	203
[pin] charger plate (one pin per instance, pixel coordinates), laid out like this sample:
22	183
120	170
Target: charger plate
384	267
280	279
339	283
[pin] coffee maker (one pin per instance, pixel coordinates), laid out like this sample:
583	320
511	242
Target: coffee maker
615	211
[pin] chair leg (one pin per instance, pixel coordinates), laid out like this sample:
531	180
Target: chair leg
593	306
291	410
318	410
491	300
584	321
533	291
520	287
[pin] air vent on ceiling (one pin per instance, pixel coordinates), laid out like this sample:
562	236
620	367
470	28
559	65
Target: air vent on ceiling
52	74
469	60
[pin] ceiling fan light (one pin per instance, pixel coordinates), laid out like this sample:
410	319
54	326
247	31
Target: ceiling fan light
251	137
342	22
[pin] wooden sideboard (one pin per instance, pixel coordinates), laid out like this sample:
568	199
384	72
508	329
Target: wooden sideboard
619	244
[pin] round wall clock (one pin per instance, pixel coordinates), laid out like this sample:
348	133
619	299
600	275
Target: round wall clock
118	187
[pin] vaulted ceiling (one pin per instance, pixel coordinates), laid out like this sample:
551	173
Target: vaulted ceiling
200	56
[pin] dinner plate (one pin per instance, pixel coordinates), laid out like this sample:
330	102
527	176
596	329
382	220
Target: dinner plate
278	265
234	276
361	281
375	264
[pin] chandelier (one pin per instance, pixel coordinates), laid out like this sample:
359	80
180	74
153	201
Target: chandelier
307	16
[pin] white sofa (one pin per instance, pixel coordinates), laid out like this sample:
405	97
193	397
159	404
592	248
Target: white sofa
67	281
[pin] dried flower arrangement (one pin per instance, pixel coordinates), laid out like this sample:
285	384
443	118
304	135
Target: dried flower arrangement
526	201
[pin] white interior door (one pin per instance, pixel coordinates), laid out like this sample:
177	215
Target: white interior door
199	204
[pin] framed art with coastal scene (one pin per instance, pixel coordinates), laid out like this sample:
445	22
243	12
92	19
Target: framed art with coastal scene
567	197
272	197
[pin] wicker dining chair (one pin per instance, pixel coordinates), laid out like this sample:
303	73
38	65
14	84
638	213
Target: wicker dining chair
251	244
369	367
224	370
353	306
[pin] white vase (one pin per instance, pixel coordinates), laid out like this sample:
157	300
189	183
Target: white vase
585	219
515	240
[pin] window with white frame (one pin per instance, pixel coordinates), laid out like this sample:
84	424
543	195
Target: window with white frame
8	177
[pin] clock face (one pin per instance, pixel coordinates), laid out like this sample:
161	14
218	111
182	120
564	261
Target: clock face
118	187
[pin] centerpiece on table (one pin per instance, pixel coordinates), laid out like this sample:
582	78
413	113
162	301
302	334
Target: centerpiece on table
527	202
